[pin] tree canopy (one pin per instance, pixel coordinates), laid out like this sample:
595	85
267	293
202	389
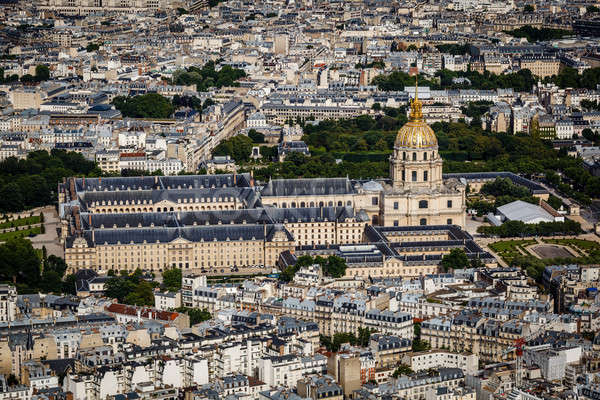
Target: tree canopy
238	147
151	105
533	34
130	289
32	182
456	259
172	279
208	77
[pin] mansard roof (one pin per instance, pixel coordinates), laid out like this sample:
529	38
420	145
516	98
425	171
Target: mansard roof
308	187
190	233
162	182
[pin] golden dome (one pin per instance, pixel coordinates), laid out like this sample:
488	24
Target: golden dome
416	134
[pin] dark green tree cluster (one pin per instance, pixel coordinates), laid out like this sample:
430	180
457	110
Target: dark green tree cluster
208	77
506	192
196	315
402	369
256	136
398	80
454	49
32	182
373	64
476	109
151	105
130	289
31	272
456	259
521	81
334	344
238	147
172	279
539	34
92	47
42	73
520	229
332	266
192	102
590	105
569	78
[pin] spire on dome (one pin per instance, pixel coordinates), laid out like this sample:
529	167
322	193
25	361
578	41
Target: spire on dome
416	107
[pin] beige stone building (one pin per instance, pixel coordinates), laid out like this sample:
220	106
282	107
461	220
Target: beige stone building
542	67
225	224
418	195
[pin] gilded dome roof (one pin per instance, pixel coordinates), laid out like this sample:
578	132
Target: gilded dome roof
416	134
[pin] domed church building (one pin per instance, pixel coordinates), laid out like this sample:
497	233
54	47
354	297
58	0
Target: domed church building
417	194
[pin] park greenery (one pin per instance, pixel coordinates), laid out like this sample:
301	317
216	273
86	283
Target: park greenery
454	49
238	147
196	315
514	254
172	279
360	148
533	34
334	343
151	105
32	271
332	266
208	77
32	182
569	78
130	288
42	73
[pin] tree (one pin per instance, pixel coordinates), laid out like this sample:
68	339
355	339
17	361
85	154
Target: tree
196	315
419	345
42	73
238	147
151	105
456	259
19	262
142	295
334	267
118	288
528	9
172	279
402	369
376	106
256	137
92	47
591	9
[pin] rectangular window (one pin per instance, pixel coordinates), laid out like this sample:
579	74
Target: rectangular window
374	201
395	205
396	223
425	176
414	176
449	203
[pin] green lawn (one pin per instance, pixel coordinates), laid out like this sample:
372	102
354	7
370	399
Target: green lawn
22	233
509	249
585	245
21	222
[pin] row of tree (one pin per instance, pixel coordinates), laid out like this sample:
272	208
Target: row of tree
334	343
42	73
533	34
208	77
521	229
32	182
332	266
31	271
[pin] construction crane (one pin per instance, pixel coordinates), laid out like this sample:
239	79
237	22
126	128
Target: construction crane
518	349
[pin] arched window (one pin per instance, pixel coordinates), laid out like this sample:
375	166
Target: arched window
404	155
414	156
312	203
423	221
423	204
340	203
425	156
302	204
